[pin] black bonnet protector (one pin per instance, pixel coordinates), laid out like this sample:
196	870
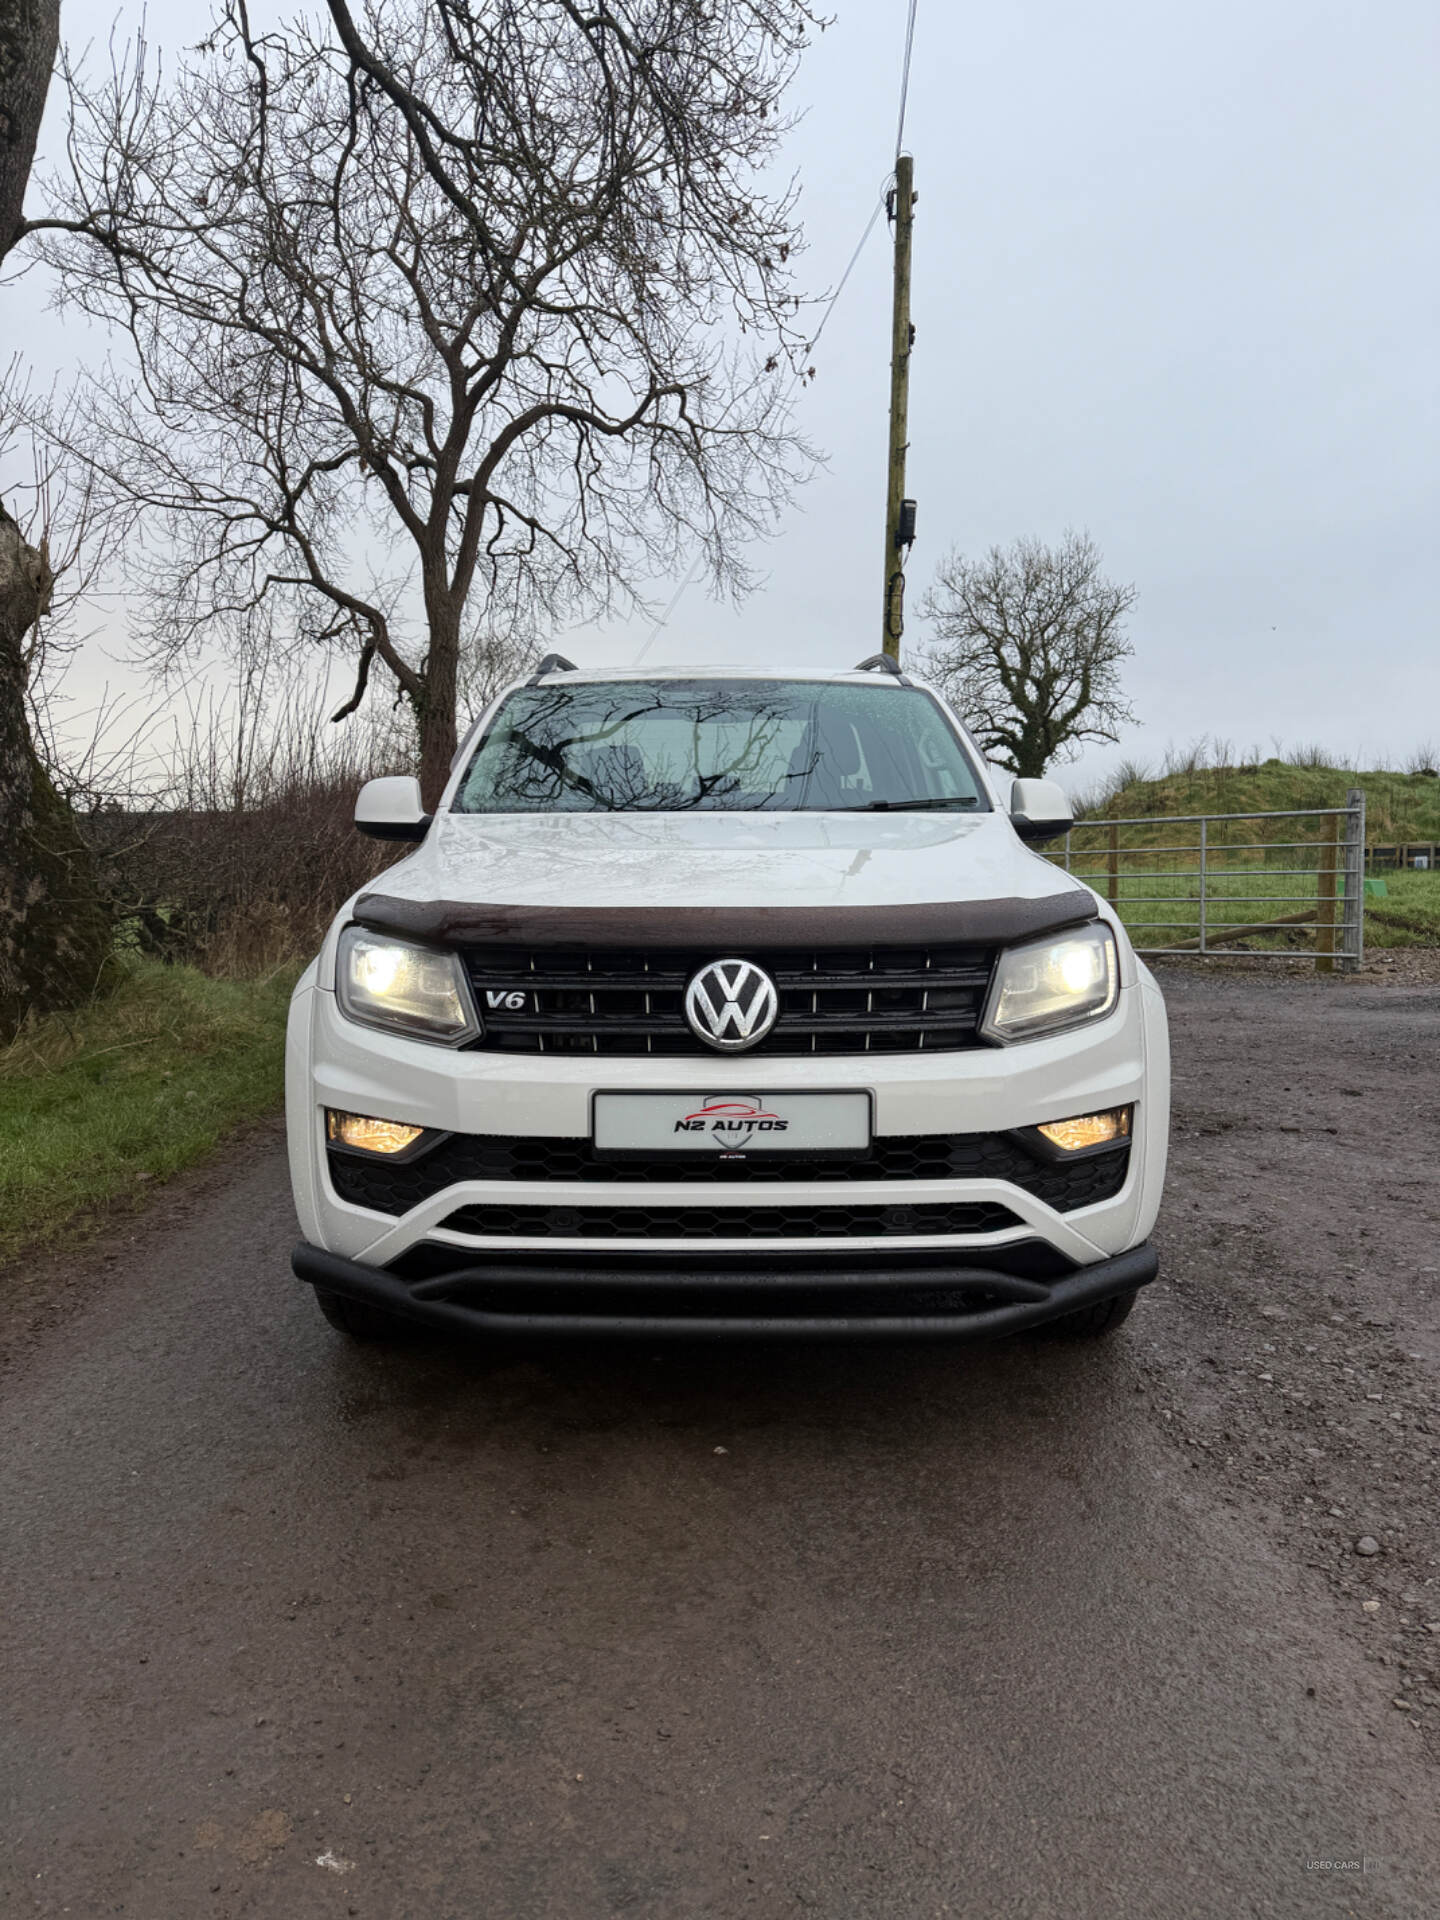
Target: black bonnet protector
935	923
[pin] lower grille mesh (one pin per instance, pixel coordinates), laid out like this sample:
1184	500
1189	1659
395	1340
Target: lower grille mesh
728	1223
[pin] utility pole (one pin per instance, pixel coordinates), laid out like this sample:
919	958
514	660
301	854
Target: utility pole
899	512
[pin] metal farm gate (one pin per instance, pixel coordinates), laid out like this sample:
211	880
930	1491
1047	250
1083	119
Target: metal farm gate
1281	886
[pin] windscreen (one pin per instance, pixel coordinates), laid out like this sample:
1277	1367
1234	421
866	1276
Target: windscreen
685	746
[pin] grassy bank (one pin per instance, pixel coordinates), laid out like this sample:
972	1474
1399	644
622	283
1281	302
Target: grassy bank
1398	806
98	1103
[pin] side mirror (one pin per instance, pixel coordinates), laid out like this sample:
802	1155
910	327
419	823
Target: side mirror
1039	810
390	809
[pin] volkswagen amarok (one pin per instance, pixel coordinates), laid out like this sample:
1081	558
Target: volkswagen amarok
725	1002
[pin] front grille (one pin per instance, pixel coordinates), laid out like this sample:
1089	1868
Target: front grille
387	1188
728	1223
832	1000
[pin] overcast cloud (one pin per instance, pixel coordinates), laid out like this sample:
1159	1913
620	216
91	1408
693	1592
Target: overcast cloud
1175	277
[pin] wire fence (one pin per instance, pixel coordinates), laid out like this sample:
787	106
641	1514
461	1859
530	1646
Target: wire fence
1281	886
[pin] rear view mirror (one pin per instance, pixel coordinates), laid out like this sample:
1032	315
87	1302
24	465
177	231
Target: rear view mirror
1039	809
390	809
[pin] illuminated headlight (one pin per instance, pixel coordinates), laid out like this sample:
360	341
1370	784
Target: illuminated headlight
1049	985
406	989
1088	1132
363	1133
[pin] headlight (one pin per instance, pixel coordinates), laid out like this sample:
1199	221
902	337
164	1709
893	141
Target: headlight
1065	981
406	989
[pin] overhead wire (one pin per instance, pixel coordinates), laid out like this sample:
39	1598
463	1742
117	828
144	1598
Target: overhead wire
905	78
810	345
697	563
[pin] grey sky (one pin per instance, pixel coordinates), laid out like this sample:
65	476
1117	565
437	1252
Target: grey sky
1175	278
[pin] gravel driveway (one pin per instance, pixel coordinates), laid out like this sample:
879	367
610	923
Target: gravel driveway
290	1628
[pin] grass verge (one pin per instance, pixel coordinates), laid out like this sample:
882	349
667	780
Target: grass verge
96	1103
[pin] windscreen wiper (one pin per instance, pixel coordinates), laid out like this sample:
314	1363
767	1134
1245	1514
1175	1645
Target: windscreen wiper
932	804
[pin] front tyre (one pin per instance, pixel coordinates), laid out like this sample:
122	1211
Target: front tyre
1092	1322
357	1319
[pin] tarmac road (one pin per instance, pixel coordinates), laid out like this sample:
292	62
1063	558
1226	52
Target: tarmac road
292	1628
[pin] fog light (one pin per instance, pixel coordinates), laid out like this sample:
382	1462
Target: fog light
1089	1130
369	1135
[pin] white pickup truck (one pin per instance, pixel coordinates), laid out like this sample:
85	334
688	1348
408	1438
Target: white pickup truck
725	1002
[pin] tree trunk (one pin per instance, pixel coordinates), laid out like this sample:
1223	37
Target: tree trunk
29	33
55	931
1031	753
437	707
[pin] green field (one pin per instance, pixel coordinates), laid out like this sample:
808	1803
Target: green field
97	1104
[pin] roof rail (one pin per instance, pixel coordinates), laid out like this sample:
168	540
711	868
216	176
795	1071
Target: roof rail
552	663
882	663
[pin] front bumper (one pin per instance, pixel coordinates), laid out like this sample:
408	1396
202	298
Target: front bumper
912	1281
853	1300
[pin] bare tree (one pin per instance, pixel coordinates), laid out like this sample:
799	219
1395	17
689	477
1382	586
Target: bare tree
55	933
455	322
1027	645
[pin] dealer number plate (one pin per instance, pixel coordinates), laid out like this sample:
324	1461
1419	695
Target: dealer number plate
732	1122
